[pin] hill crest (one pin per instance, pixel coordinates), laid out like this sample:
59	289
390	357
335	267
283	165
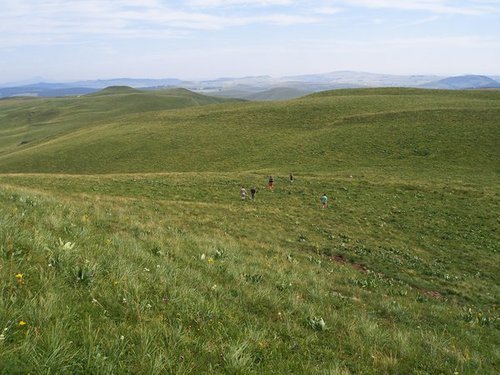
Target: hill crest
464	82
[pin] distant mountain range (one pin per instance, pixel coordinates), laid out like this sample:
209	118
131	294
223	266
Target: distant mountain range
255	87
463	82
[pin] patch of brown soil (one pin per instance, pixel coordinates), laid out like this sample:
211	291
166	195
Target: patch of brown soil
359	267
432	293
339	259
342	260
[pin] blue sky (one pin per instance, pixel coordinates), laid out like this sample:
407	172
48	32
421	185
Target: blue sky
67	40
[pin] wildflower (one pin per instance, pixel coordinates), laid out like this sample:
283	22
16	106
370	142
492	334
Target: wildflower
317	323
22	323
122	337
202	257
66	245
214	286
210	260
20	278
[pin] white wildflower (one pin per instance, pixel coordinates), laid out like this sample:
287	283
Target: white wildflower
66	245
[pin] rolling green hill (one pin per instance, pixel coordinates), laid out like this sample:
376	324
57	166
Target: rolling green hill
125	246
276	93
26	122
388	131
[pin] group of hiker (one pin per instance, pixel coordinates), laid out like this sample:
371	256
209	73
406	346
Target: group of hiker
270	184
243	193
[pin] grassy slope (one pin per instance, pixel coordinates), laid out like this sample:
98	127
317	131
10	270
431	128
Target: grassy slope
386	134
402	268
28	122
278	93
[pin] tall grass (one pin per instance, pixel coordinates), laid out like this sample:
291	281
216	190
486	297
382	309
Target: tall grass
118	280
146	260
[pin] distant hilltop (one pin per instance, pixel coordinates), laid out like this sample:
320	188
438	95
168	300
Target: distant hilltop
259	87
463	83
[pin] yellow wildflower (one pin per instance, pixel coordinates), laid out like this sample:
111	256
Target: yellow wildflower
210	260
22	323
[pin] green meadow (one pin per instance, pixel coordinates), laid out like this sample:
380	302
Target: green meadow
126	248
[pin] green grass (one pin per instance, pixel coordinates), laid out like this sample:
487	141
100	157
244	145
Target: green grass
138	256
411	133
29	122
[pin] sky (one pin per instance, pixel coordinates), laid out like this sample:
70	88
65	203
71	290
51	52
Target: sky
67	40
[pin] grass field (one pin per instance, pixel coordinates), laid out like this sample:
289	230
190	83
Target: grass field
125	247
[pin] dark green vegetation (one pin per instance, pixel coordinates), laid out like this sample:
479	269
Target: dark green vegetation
125	247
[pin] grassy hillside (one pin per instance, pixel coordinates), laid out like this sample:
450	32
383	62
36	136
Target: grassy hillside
125	247
28	122
277	93
386	132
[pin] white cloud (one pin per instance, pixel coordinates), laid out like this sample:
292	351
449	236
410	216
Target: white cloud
433	6
59	21
327	10
420	21
230	3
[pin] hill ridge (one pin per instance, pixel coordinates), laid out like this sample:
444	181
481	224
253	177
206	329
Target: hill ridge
293	134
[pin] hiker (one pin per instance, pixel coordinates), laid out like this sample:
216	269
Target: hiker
243	193
271	182
291	177
324	200
252	193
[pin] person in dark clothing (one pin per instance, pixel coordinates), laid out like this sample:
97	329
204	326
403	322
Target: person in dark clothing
271	182
252	193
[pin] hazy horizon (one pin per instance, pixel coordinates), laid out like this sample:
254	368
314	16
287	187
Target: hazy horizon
75	40
39	79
